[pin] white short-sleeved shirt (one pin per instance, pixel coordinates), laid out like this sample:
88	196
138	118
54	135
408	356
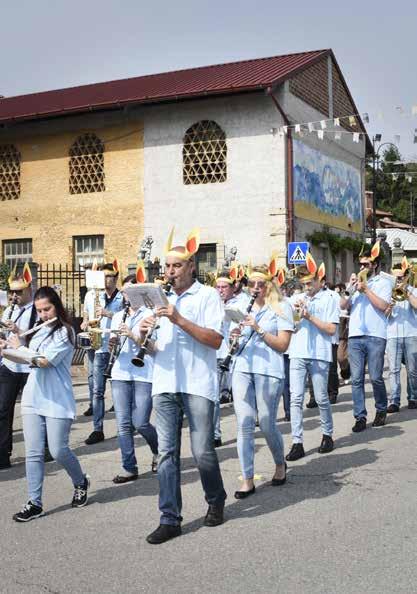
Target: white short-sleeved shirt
123	370
254	355
365	319
402	323
21	317
182	364
309	342
105	322
48	391
239	302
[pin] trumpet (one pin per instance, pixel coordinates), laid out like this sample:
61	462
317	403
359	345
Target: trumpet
139	360
400	293
234	345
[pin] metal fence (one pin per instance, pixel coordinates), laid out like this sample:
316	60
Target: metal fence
68	282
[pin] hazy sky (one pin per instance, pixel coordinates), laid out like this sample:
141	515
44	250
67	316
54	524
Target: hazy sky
48	44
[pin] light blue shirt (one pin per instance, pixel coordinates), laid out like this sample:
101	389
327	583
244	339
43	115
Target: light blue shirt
21	317
123	369
255	356
105	322
402	323
48	391
241	302
337	297
365	319
182	364
309	342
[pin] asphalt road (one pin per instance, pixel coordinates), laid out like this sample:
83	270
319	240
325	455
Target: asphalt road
344	522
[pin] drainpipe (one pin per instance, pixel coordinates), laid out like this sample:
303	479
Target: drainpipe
289	206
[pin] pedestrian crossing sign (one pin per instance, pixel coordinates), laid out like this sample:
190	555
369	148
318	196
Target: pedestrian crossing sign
297	252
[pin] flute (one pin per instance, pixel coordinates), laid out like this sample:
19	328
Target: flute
225	364
37	327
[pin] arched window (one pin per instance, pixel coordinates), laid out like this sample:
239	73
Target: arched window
86	165
204	154
9	172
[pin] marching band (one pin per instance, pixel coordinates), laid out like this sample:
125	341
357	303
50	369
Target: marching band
180	355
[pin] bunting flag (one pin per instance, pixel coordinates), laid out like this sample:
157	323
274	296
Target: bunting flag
356	137
323	124
320	134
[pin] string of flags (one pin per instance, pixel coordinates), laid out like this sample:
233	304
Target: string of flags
322	127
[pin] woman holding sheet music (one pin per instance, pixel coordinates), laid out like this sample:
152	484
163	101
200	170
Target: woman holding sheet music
48	405
258	376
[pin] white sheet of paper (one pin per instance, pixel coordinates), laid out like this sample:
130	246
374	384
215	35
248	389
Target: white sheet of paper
3	298
21	355
146	295
232	314
94	279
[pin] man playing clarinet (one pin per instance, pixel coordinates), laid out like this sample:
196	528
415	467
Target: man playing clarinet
185	382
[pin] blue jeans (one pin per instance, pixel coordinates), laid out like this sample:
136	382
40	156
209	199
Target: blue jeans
286	396
97	363
319	372
254	393
369	349
35	430
133	406
397	349
170	409
224	381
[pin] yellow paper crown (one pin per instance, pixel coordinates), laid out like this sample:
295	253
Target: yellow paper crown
18	282
183	252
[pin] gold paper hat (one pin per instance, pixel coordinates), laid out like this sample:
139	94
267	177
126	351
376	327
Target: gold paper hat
234	274
114	271
310	271
404	267
183	252
18	282
140	272
272	269
375	251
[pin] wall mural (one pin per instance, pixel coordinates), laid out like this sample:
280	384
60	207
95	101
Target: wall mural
326	190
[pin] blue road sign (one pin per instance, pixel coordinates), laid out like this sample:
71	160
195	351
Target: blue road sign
297	252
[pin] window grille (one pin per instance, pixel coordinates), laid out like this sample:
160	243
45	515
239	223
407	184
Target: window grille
86	165
87	249
204	154
9	172
17	251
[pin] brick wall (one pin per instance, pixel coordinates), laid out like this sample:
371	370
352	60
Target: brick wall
311	85
51	216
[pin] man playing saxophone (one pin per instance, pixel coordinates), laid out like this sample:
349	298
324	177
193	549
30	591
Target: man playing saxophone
402	337
109	302
368	336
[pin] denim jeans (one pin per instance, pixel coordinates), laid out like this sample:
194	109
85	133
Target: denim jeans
333	380
11	384
133	406
319	372
369	349
224	385
286	396
254	393
170	409
35	430
397	350
97	363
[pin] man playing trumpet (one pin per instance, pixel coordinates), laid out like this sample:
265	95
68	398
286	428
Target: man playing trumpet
368	336
402	337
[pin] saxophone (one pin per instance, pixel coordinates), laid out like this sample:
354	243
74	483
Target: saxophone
94	332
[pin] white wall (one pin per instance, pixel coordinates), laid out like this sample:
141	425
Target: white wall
246	211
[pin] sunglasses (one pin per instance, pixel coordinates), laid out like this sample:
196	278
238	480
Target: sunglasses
16	292
258	284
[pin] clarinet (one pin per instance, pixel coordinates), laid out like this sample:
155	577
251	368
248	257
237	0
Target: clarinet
225	364
115	351
12	307
139	360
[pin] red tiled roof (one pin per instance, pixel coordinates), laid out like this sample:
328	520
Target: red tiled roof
234	77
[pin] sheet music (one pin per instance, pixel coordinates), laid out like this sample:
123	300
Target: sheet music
233	314
21	355
148	295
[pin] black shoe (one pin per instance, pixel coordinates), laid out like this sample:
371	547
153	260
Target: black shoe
29	511
295	453
47	456
312	403
244	494
120	479
214	515
154	464
412	404
111	409
163	533
287	418
5	464
326	445
95	437
80	497
218	442
278	482
393	408
88	412
333	399
380	419
360	425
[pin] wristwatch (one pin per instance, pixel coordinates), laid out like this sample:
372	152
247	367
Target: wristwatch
261	332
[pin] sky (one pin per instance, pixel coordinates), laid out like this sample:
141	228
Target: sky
50	44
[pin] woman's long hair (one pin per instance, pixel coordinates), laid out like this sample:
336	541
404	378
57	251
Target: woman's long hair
63	320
